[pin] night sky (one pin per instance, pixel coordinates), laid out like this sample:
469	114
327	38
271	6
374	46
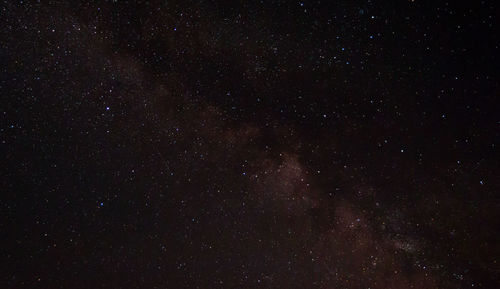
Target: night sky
249	144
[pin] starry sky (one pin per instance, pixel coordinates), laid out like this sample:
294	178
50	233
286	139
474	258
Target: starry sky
249	144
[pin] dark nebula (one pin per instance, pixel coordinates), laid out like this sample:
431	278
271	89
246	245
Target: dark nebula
249	144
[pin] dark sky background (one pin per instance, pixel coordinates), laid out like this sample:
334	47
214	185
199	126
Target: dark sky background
249	144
